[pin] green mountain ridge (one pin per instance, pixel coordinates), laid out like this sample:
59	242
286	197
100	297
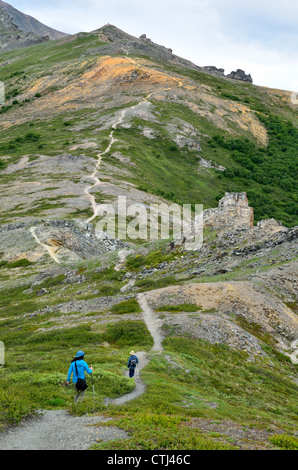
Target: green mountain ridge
94	116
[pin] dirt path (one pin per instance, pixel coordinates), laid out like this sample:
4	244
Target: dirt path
112	140
122	254
152	323
153	326
140	386
58	430
93	176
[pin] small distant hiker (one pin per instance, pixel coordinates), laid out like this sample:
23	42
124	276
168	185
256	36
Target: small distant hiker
132	363
77	369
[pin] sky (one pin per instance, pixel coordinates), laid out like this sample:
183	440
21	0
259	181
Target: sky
257	36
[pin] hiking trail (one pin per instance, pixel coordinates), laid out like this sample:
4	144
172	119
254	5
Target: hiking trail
153	326
57	429
112	140
93	176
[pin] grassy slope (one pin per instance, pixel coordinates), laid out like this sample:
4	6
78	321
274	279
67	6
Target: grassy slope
255	394
161	166
38	350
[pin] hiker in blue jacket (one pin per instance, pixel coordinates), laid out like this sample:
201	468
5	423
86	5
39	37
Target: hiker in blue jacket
132	363
77	369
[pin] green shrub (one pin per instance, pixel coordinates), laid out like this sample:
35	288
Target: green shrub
108	290
127	306
112	385
128	333
284	441
51	282
31	137
151	431
20	263
149	283
230	96
64	338
274	167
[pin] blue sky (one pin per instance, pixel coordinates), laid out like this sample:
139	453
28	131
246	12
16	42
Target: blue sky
260	37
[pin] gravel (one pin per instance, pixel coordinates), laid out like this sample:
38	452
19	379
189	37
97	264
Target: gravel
58	430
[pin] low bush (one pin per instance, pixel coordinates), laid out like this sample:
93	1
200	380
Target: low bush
129	333
127	306
284	441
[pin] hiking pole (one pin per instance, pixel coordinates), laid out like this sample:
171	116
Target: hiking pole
93	386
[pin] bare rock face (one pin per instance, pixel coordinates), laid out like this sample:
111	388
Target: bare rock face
240	75
214	71
233	211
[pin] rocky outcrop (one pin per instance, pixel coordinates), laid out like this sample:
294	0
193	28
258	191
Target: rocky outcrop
214	71
238	75
228	313
119	42
233	211
29	24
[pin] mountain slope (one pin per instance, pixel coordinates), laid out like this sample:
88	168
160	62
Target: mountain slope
99	115
194	124
18	30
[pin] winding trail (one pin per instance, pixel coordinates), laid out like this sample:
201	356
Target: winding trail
122	254
112	140
150	319
59	430
93	176
153	326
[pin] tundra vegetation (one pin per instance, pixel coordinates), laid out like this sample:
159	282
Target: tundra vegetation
45	312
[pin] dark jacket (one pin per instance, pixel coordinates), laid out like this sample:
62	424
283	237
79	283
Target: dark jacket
132	366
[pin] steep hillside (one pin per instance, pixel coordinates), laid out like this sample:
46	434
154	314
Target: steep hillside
18	30
96	116
177	127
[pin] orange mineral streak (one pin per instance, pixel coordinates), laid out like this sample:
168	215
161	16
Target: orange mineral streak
107	75
119	69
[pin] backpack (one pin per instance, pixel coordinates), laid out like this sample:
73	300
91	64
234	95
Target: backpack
133	363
